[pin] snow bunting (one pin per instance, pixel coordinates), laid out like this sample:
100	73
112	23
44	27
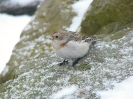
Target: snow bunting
71	45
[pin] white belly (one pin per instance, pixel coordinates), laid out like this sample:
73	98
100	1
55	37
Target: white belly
73	50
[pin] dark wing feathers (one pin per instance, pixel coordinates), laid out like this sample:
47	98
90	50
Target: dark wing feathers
77	37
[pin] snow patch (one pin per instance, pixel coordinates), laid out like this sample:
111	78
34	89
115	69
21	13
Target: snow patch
10	29
65	91
122	90
80	8
5	70
23	2
27	28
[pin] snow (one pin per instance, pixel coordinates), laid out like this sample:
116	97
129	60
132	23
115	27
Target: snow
122	90
10	29
5	70
65	91
23	2
80	8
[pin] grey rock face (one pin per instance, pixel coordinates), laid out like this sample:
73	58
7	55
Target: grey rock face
6	6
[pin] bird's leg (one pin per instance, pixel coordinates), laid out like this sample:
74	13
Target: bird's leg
76	61
64	62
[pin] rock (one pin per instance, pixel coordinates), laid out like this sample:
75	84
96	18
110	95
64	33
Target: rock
32	71
16	8
104	14
46	20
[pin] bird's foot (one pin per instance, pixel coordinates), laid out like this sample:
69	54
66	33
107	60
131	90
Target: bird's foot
76	61
63	63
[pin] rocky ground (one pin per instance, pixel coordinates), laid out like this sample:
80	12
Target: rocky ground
33	68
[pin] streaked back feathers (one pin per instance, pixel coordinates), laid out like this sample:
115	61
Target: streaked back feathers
65	37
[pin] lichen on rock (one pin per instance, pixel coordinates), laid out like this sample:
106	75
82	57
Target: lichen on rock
33	71
107	16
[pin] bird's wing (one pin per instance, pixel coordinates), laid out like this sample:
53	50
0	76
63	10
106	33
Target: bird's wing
74	36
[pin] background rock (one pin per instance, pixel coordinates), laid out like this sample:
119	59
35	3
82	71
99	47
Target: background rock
16	8
107	17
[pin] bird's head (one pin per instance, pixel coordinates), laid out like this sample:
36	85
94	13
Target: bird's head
60	37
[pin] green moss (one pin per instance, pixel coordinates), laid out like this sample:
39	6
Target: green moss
38	77
119	34
32	53
100	16
2	88
55	17
110	28
73	79
82	67
14	75
51	15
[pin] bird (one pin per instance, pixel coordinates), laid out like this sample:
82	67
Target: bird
71	45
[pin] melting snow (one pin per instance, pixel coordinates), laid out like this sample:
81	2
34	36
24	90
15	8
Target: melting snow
97	78
65	91
10	29
23	2
122	90
5	70
80	8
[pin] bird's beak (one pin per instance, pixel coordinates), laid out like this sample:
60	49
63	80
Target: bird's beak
51	38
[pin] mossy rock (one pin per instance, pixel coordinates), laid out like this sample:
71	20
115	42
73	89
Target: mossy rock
50	16
114	14
33	69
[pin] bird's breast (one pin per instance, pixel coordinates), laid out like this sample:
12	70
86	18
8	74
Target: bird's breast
71	50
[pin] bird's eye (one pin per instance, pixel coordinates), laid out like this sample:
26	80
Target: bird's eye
56	36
